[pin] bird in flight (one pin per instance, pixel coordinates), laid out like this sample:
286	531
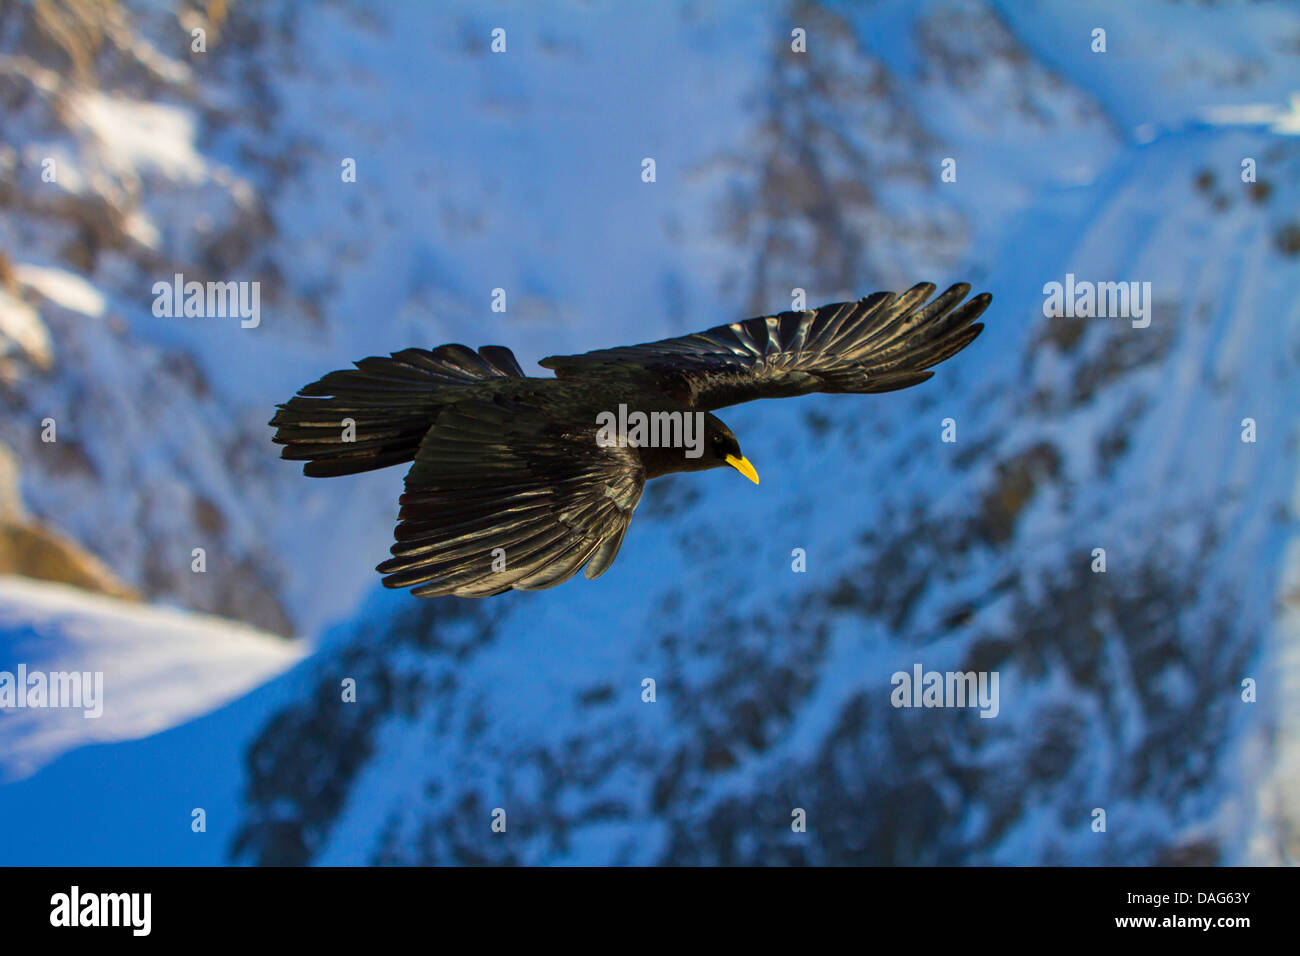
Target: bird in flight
520	482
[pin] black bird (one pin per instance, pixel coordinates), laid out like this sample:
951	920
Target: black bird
519	482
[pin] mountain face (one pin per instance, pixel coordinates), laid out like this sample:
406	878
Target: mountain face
1098	510
126	437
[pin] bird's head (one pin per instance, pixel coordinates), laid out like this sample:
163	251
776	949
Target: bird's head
722	448
700	441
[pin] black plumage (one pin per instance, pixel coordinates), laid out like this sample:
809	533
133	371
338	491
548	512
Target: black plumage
510	487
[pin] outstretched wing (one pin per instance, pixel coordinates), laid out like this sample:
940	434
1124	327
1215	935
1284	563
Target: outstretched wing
877	344
502	497
390	403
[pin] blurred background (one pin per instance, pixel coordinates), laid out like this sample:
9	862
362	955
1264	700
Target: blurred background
379	170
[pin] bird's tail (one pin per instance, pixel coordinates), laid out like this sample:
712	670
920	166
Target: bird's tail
377	414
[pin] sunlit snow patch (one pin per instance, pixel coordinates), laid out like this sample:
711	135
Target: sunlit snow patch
160	667
1280	119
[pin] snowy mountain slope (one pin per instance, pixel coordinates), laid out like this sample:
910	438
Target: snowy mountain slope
1166	66
106	189
775	171
132	802
159	667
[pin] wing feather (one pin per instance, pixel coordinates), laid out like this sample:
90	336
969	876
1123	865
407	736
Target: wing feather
496	479
877	344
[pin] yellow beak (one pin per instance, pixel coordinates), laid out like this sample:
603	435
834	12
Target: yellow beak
743	466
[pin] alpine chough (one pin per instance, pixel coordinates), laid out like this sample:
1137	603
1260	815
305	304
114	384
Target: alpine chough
519	482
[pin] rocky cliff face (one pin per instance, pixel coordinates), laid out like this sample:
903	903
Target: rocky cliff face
1120	689
30	549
